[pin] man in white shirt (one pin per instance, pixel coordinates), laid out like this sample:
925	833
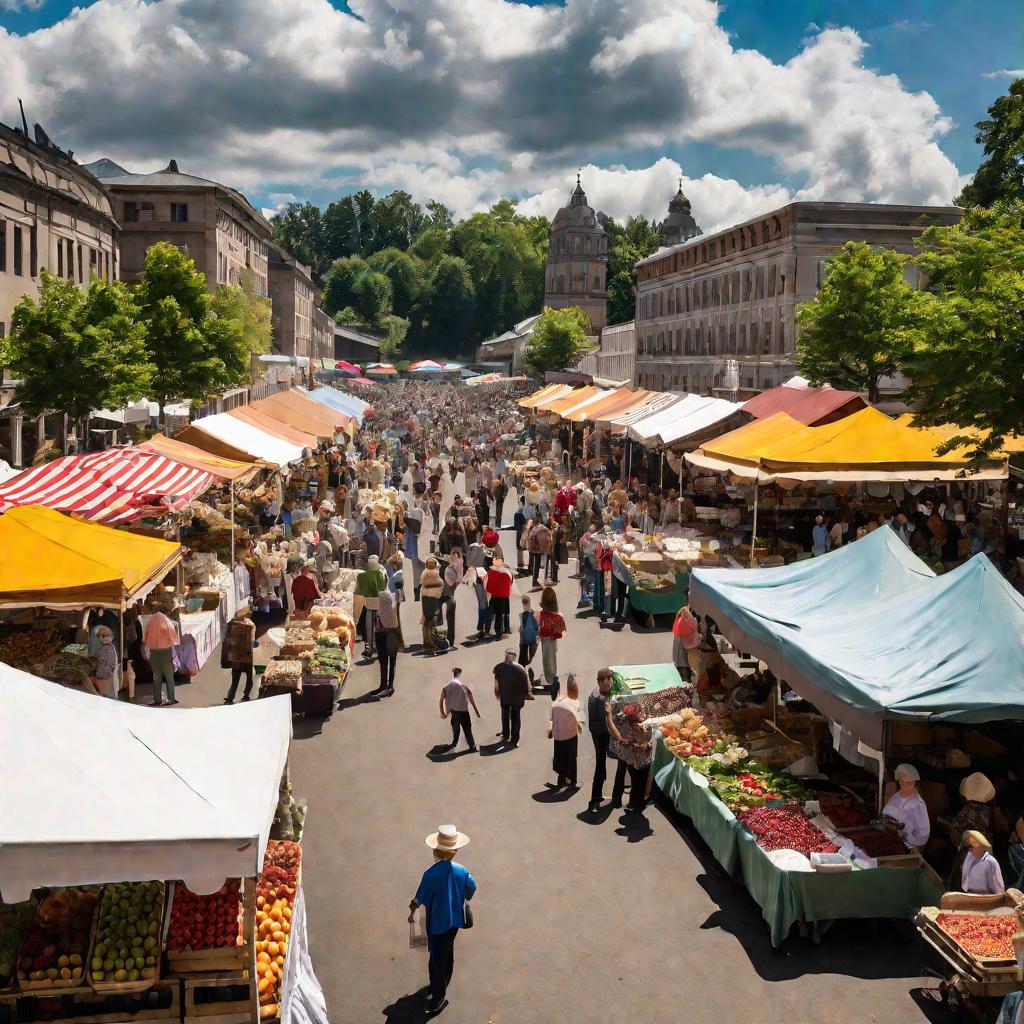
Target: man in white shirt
456	699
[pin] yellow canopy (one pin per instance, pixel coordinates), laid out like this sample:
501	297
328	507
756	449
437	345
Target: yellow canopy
548	391
306	414
864	446
617	402
58	562
189	455
563	403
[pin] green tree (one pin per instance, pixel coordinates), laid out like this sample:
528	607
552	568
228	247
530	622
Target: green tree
340	283
627	244
861	325
75	351
240	304
431	244
447	307
557	338
395	330
193	351
299	229
967	365
1000	175
372	295
405	273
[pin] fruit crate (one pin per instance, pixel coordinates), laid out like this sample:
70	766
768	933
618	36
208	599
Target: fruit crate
45	989
126	987
159	1005
220	998
226	959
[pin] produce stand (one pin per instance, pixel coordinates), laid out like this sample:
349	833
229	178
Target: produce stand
663	601
787	897
654	677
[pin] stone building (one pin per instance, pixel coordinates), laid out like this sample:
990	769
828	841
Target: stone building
54	215
718	311
679	226
323	335
576	271
213	224
293	296
616	358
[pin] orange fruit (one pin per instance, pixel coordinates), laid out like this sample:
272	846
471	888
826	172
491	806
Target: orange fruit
273	949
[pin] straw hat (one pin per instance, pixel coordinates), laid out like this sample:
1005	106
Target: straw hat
447	839
977	787
973	836
906	773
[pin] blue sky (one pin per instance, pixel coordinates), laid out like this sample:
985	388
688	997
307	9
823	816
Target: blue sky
614	97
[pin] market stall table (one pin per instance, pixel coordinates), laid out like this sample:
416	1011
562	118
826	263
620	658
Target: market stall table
786	897
662	601
658	677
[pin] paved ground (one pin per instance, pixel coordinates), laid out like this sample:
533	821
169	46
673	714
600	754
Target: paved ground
624	918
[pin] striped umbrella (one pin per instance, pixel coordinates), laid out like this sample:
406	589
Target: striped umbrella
115	486
382	369
427	366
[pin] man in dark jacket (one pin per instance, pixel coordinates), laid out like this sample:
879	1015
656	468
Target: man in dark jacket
512	691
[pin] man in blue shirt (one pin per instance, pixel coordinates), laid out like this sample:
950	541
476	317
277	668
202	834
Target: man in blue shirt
444	889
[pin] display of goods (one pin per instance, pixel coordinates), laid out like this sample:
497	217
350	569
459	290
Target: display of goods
205	922
275	899
54	947
25	648
128	933
686	734
14	919
877	842
664	702
283	672
841	810
986	936
73	668
727	753
326	660
776	828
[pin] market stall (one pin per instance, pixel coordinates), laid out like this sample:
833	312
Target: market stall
249	414
295	408
225	435
350	405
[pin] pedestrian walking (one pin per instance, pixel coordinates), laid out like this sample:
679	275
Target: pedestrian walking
499	589
106	679
160	637
477	579
444	890
565	730
456	700
631	744
388	640
519	522
529	630
431	589
511	690
452	578
539	544
236	652
597	723
551	629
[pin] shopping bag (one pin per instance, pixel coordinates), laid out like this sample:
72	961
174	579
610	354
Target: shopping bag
418	929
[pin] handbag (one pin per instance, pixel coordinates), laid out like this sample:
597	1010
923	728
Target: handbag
467	913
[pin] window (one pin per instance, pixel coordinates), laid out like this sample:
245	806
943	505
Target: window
131	212
106	265
18	255
60	257
33	251
767	338
92	262
81	278
3	247
71	259
822	271
146	212
597	283
179	213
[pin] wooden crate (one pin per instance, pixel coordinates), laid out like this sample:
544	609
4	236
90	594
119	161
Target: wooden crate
96	1008
232	958
217	998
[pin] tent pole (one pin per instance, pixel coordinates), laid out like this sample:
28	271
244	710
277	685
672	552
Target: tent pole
753	535
661	475
121	654
232	493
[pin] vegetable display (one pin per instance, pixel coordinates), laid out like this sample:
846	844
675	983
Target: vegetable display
24	648
877	842
841	811
55	945
205	922
776	828
986	936
128	933
686	734
14	919
275	898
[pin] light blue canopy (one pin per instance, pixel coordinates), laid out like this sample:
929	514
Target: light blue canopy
340	400
869	633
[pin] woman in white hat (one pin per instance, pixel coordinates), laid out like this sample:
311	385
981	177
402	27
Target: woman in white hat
444	890
980	874
907	808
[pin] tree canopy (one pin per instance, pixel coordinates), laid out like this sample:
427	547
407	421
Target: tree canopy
557	338
860	326
1000	176
77	351
627	244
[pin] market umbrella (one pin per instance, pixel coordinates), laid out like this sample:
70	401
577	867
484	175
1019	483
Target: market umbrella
346	367
382	369
427	366
360	380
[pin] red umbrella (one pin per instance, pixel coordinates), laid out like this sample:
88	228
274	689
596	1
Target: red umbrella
360	380
347	367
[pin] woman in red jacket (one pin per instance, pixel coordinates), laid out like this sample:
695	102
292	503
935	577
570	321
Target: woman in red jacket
552	629
499	586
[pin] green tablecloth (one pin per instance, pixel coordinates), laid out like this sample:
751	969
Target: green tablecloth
659	677
661	602
786	897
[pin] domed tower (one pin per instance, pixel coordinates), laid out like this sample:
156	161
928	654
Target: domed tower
577	264
679	225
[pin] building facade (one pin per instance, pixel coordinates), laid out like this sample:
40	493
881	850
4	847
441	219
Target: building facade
577	267
216	226
616	358
718	313
54	215
323	334
293	296
355	346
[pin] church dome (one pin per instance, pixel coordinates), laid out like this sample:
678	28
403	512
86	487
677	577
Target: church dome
679	225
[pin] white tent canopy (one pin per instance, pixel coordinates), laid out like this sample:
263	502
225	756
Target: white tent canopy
101	791
649	408
694	414
250	439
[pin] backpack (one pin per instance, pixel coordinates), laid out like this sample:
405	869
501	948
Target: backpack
528	627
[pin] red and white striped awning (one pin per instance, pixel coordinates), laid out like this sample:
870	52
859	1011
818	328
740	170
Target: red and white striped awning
115	486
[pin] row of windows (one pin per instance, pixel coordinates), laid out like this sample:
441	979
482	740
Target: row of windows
748	284
698	382
738	239
723	339
75	261
577	284
138	213
234	229
580	243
